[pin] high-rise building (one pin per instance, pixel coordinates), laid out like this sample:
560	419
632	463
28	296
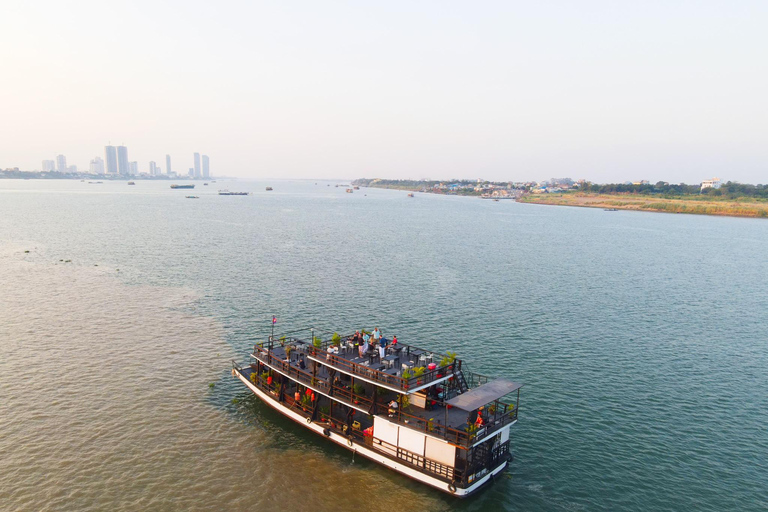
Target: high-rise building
134	168
49	165
168	164
110	158
97	166
206	169
152	168
123	166
197	165
61	163
191	172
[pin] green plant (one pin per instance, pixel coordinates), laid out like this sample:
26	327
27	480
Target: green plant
449	359
418	372
381	391
282	341
471	430
431	424
336	339
492	409
254	377
325	410
406	374
288	351
405	402
306	400
358	389
317	342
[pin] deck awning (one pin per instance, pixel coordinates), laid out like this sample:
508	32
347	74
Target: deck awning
481	395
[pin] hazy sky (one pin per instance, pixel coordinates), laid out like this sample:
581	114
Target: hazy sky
604	90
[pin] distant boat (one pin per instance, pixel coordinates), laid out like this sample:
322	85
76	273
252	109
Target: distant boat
610	209
228	193
205	184
192	197
410	195
269	188
131	183
349	191
95	182
182	186
356	188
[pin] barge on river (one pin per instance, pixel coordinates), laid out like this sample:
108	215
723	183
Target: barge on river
410	409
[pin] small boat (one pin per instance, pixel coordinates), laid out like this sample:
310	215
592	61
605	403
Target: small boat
228	193
131	183
192	197
495	200
349	191
410	195
95	182
205	184
269	188
356	188
610	209
182	186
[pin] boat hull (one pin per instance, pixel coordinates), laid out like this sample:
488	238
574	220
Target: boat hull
369	453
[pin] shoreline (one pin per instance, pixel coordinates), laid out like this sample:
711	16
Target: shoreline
693	206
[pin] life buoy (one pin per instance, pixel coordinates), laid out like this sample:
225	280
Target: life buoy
349	440
327	432
309	419
451	487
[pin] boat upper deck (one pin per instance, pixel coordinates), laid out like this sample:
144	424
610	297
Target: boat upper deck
399	367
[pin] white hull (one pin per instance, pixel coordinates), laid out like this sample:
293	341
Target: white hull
368	452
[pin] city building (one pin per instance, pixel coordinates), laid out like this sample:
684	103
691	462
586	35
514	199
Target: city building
135	168
123	166
72	169
110	159
152	168
168	164
61	163
191	172
97	166
206	169
197	165
49	165
710	183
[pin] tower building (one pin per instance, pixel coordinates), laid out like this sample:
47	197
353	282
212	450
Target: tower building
123	166
197	166
110	159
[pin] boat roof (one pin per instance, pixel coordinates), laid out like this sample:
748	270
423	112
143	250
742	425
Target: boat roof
481	395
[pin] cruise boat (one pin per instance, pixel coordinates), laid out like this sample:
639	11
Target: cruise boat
228	193
182	186
415	411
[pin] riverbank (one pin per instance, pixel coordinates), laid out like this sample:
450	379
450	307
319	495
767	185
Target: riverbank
739	207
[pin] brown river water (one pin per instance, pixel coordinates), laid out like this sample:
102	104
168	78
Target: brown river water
104	405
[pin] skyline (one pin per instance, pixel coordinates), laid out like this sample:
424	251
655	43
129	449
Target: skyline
502	91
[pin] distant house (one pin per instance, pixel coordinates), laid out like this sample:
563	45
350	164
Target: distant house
711	183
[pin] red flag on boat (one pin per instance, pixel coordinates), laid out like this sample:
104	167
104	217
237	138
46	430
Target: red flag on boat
274	320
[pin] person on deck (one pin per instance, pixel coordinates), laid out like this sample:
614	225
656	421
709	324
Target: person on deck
302	365
382	348
376	334
392	408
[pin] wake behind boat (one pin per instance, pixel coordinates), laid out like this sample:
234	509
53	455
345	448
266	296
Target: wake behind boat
418	412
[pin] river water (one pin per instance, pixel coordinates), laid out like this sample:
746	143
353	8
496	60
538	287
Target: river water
641	339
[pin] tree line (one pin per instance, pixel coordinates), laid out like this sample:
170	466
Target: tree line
729	190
